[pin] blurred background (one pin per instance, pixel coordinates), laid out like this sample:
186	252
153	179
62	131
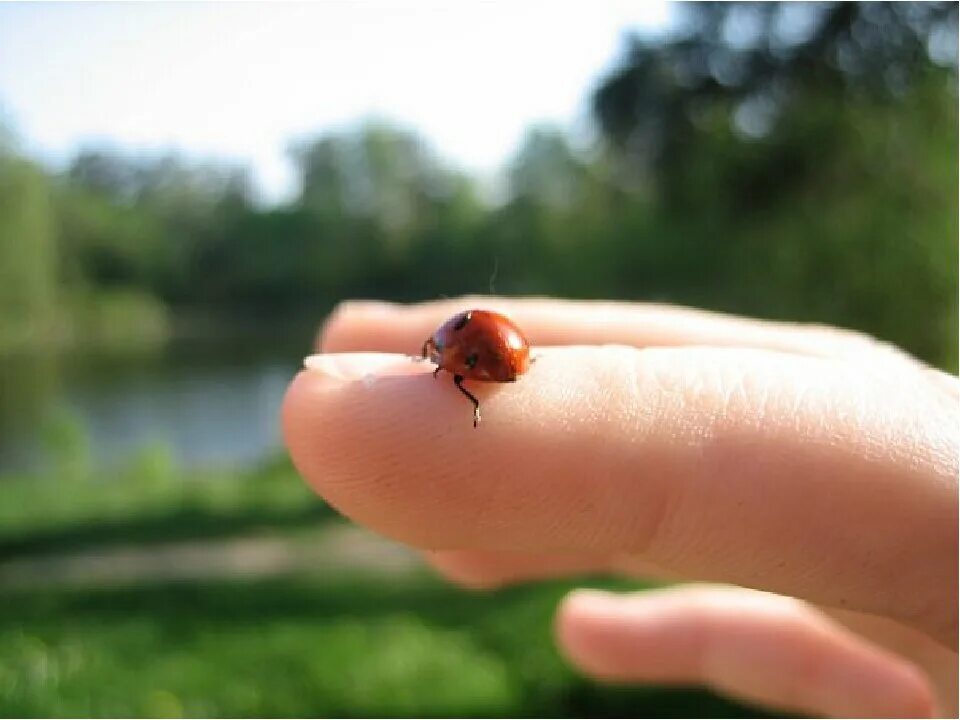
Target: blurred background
187	189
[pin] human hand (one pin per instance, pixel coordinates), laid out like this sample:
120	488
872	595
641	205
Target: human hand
812	469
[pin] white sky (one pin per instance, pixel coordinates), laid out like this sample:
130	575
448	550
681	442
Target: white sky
240	81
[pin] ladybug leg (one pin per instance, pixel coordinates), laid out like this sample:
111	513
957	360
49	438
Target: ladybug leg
436	371
458	381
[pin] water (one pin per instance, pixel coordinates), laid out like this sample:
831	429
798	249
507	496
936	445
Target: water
212	404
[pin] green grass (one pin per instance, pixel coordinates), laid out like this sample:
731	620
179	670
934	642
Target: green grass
149	501
344	646
345	643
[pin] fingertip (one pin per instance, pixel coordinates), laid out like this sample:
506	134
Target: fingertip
587	601
477	569
915	696
317	413
460	570
339	331
295	419
328	328
583	618
591	634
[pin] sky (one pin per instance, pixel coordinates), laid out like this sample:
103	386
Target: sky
241	81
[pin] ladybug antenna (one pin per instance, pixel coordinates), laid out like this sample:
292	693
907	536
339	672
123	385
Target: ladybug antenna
493	275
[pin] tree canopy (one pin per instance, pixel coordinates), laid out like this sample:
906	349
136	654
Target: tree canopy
794	161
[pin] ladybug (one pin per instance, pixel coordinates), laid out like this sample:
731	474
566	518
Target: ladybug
479	345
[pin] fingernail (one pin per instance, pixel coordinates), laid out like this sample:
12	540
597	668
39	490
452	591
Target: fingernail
354	366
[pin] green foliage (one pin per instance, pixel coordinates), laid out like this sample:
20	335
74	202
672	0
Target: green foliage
345	645
72	504
67	446
28	259
799	192
118	320
106	243
324	641
866	235
802	162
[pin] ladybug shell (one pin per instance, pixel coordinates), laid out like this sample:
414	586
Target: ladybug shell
480	345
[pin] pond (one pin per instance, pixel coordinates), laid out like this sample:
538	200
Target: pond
209	403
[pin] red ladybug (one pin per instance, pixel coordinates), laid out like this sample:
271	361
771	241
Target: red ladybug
479	345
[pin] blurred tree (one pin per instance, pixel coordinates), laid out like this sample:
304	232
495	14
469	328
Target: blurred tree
28	258
805	154
547	170
105	243
105	172
553	235
380	201
787	160
376	172
148	220
749	61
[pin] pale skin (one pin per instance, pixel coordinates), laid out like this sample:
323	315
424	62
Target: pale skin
801	479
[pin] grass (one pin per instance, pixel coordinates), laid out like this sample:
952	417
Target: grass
338	643
344	646
149	501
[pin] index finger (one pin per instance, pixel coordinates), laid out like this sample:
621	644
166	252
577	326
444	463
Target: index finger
774	471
